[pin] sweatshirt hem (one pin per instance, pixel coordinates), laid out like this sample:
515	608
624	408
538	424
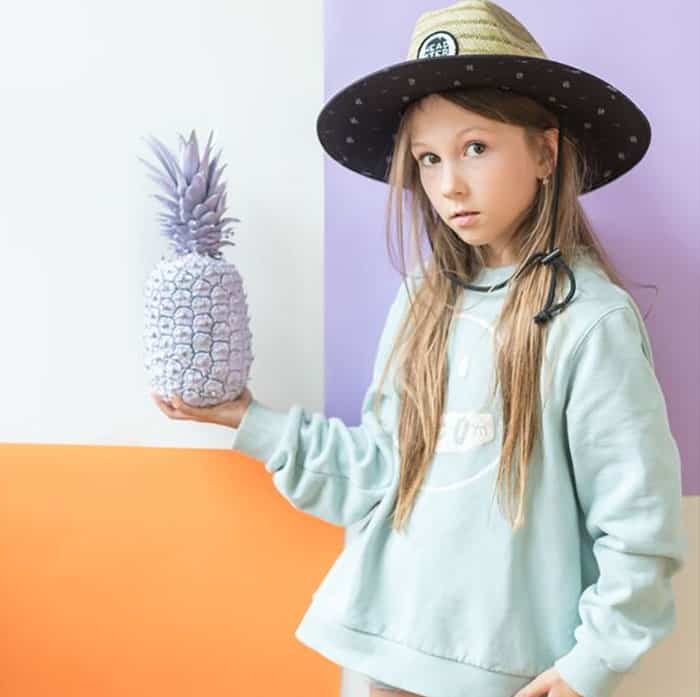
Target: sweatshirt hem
400	665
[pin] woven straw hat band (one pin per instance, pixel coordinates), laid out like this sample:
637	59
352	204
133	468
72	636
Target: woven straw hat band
468	27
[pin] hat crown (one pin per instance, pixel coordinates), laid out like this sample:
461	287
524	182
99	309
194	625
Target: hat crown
471	27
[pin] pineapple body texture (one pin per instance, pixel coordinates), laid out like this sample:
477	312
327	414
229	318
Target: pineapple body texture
198	340
197	336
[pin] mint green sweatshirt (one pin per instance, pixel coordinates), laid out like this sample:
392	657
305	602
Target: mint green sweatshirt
457	604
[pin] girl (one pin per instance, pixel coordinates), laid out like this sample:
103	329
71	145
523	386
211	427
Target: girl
513	365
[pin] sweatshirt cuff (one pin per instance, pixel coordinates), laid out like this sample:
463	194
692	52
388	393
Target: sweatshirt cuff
260	430
587	674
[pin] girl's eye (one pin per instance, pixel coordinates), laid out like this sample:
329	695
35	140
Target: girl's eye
474	142
427	154
480	144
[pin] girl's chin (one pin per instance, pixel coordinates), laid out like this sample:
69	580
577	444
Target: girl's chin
469	235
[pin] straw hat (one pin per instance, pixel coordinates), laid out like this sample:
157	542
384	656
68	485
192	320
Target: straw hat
476	43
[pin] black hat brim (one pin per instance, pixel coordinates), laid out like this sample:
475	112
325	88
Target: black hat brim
356	127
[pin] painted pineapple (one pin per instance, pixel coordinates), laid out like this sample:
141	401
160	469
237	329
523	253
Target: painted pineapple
197	338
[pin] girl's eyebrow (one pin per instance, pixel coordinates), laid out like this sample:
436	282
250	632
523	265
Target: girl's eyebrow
459	133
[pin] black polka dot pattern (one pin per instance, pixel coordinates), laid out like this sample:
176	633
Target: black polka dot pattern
357	126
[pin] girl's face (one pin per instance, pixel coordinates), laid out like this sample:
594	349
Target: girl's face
470	162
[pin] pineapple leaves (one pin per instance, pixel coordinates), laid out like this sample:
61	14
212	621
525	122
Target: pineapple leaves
209	218
190	160
172	205
214	180
195	198
196	190
211	202
165	185
165	158
204	163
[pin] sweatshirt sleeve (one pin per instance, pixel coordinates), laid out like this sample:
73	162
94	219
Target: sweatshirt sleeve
626	466
321	466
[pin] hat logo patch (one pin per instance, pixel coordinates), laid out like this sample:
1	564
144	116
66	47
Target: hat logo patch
439	43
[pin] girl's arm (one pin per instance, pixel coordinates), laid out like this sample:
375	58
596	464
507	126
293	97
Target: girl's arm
627	471
320	465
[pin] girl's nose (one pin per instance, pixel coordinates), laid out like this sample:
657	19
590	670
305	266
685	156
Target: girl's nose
452	182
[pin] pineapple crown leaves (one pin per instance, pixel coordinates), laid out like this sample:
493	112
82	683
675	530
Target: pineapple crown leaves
194	200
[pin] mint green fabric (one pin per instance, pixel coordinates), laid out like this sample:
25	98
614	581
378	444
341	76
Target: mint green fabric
457	604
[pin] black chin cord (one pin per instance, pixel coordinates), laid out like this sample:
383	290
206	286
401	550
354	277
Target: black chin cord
552	257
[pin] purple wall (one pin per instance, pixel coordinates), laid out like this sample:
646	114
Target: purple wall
647	219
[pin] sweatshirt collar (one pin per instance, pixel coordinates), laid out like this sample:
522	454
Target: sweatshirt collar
493	275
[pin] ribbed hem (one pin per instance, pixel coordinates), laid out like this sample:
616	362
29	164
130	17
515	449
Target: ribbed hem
399	665
260	430
586	673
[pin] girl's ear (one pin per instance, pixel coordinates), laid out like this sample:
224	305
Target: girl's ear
549	151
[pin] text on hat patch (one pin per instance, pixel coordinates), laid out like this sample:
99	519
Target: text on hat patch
439	43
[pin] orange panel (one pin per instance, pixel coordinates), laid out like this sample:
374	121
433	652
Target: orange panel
155	571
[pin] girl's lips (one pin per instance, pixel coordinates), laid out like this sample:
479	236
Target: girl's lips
463	220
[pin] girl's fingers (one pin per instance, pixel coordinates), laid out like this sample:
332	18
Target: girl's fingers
167	408
184	408
179	409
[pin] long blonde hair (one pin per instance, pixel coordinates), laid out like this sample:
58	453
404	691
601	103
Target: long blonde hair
424	330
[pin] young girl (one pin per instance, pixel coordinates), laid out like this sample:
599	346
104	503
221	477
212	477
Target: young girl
512	365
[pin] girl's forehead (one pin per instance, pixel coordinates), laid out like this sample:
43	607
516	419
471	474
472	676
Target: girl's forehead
427	126
434	112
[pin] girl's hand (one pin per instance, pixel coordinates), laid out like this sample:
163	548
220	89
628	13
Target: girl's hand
547	684
225	414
